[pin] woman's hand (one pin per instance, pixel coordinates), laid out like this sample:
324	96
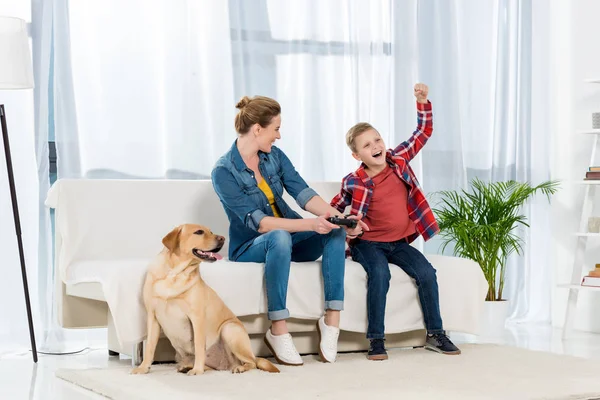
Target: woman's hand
360	227
322	226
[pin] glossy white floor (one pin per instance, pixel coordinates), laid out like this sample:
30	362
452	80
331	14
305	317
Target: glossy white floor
21	379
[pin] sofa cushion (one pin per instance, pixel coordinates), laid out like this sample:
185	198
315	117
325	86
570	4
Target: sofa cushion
241	287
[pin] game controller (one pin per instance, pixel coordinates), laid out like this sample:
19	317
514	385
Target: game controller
350	223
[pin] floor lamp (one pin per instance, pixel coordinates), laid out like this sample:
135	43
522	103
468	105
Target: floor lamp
16	73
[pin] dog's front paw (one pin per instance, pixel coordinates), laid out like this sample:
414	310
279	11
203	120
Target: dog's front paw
240	369
196	371
140	370
184	368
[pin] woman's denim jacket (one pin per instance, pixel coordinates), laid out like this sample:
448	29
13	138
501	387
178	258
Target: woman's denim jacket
245	204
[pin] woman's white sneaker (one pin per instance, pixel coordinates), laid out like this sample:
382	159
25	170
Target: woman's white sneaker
328	338
283	349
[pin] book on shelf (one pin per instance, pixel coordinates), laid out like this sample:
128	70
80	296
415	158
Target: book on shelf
592	278
594	169
591	281
592	175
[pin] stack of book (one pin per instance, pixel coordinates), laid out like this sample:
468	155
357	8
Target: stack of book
593	174
593	278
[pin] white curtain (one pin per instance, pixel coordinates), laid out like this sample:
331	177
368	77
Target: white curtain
52	337
52	73
151	85
487	63
155	84
146	89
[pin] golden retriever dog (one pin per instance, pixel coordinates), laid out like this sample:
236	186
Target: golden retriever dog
203	331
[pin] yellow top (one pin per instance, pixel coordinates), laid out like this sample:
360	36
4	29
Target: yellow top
264	186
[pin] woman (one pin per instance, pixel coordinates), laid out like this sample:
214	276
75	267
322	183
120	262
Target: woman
250	179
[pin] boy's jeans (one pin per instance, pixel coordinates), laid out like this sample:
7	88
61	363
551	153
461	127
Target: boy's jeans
278	248
374	257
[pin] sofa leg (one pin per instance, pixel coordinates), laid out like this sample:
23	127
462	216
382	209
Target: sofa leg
138	354
112	353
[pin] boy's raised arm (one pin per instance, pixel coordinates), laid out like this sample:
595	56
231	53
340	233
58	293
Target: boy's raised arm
409	148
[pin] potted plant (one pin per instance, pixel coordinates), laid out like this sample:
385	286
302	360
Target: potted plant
482	225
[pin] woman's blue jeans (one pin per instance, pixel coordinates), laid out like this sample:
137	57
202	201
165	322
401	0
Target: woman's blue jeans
278	248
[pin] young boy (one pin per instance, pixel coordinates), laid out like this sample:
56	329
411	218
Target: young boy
385	191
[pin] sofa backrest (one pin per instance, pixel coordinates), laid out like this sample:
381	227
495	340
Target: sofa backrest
118	219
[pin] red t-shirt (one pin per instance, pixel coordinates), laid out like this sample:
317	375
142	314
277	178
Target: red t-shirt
388	210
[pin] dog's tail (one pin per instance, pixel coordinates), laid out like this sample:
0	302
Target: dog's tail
265	365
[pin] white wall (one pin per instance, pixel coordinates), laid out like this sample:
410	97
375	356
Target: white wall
576	57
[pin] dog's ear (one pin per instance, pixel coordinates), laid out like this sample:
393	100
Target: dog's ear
171	241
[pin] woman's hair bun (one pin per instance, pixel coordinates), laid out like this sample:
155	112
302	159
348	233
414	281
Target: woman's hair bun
242	103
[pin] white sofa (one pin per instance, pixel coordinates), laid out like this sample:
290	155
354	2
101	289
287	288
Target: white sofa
108	230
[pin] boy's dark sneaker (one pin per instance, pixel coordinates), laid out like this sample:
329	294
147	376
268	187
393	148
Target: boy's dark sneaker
377	350
441	343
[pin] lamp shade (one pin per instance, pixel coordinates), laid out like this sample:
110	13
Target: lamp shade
16	71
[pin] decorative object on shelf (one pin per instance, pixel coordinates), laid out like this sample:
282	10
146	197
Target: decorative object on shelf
594	224
596	120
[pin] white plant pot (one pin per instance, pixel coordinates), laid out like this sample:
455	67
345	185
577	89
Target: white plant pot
494	317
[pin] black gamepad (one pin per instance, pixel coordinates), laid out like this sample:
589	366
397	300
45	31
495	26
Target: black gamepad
351	223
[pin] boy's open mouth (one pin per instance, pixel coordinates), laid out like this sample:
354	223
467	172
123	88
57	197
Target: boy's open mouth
378	154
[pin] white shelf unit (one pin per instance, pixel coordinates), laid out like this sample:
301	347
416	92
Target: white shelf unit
589	131
587	234
582	237
591	182
578	287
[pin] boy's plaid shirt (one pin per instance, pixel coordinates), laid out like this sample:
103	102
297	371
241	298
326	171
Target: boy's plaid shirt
357	187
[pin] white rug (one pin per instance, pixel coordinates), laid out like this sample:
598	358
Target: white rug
481	372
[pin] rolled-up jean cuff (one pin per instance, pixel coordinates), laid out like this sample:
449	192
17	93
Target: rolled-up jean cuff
335	305
254	218
278	315
304	197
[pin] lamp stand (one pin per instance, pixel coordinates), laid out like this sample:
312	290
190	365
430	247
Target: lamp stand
13	196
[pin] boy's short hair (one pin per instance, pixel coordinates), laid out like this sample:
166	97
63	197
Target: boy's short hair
355	132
